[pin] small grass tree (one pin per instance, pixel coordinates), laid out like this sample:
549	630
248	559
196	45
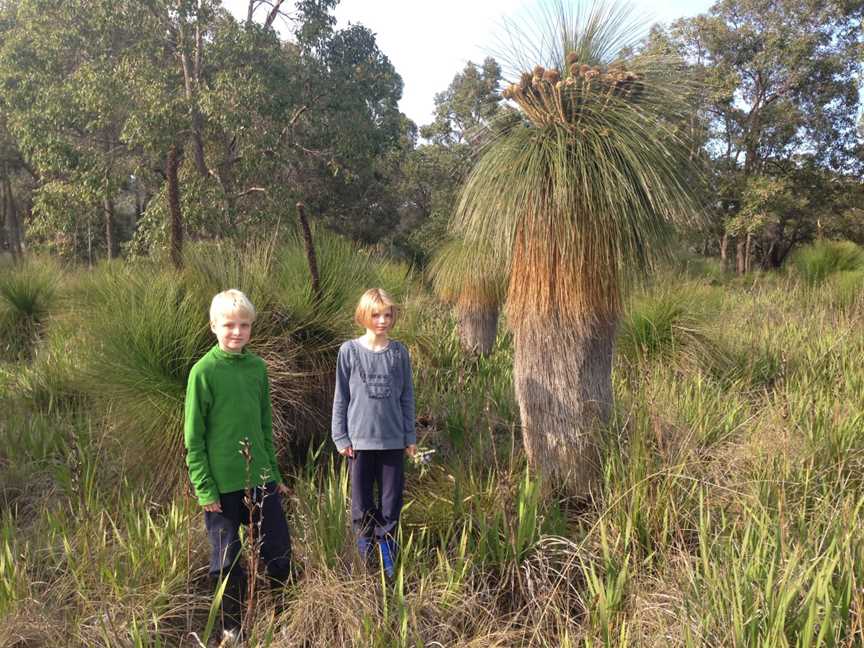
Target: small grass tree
460	277
575	199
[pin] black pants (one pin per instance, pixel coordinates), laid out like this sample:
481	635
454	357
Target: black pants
223	533
386	469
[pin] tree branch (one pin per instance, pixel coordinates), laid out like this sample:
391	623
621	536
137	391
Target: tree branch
250	190
274	13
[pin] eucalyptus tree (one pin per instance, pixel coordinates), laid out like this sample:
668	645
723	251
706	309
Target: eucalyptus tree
574	200
64	104
12	177
785	82
467	114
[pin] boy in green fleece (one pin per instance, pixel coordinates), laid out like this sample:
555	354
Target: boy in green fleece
227	408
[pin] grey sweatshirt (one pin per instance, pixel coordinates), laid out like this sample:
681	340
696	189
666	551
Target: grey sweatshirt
373	407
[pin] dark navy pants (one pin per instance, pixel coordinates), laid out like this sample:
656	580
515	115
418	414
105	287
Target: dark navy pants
371	516
223	533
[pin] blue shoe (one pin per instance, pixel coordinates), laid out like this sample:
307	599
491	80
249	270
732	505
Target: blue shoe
388	556
364	546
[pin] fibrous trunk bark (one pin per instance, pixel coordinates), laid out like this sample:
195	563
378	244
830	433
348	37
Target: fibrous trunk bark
171	166
563	379
478	327
310	251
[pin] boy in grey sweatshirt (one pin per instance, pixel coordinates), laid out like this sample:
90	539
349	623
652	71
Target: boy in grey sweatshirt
373	423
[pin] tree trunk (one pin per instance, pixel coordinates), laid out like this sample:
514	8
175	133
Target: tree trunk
724	251
171	166
748	253
110	226
780	254
310	251
191	80
478	327
563	379
740	260
10	213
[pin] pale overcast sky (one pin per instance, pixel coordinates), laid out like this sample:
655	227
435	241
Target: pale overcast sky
428	42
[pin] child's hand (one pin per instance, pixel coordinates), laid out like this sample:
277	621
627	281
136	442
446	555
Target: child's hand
347	451
213	507
411	450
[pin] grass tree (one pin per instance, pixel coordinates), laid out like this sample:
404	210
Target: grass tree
460	278
575	199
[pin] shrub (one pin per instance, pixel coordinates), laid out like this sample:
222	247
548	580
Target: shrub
666	326
145	330
27	297
822	258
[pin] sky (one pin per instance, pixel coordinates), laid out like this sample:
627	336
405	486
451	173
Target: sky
430	41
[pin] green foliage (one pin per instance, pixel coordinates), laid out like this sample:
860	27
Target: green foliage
728	512
27	299
320	493
668	326
816	261
145	331
848	287
786	588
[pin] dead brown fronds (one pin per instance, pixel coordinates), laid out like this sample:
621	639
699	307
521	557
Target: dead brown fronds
329	609
32	624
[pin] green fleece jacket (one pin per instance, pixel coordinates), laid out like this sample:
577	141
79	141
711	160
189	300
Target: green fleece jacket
227	400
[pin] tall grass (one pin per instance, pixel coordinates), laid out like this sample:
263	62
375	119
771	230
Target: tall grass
729	513
27	297
818	260
670	326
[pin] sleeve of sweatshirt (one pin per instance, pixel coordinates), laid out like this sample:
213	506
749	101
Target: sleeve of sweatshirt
267	427
341	398
407	400
195	437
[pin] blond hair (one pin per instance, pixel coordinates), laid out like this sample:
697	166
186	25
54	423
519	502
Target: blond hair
374	299
231	301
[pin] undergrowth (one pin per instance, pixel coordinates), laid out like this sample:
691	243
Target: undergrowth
729	512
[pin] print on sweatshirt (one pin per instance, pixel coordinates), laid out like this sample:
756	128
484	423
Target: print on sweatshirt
373	407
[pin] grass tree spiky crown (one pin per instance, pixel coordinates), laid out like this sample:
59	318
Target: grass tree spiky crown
578	195
462	275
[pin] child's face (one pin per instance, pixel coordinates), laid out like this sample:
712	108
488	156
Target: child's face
232	331
381	320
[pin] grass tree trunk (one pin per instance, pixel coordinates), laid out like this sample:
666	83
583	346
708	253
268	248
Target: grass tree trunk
563	316
311	259
174	210
562	375
478	327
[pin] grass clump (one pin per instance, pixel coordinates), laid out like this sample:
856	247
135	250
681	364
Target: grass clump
28	295
846	288
668	326
815	262
145	332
